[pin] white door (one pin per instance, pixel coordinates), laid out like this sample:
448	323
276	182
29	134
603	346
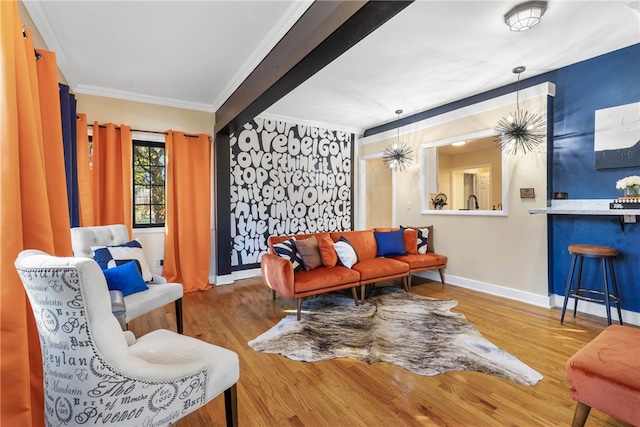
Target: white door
484	190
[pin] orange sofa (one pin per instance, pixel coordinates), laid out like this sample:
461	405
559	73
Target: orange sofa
278	272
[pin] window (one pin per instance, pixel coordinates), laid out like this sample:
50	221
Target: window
149	174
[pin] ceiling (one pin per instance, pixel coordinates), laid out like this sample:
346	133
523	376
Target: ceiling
194	54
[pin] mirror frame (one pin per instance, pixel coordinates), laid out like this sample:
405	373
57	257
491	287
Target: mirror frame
429	176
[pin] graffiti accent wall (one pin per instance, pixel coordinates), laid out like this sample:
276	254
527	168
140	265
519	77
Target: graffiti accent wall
287	179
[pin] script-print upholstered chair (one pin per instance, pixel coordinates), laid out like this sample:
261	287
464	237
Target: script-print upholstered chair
159	294
96	373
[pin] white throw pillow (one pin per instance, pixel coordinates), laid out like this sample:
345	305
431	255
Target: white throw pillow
346	252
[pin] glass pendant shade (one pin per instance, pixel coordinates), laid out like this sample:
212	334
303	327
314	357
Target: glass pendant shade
525	16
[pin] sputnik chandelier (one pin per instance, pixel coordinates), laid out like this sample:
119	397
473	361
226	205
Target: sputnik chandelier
522	130
398	155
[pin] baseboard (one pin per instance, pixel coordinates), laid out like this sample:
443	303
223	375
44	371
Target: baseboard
552	301
488	288
229	279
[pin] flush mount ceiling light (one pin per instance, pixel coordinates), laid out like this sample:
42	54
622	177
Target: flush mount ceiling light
397	155
525	15
520	131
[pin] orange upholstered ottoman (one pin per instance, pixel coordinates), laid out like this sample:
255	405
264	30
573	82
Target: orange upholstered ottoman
605	375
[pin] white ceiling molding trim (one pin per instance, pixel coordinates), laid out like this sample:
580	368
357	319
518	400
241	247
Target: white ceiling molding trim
45	28
542	89
357	132
138	97
290	17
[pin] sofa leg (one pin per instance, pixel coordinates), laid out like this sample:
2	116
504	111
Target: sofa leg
405	284
179	315
273	294
581	414
355	295
362	293
409	281
299	302
231	405
441	276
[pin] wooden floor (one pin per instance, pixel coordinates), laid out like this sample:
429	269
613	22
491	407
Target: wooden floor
276	391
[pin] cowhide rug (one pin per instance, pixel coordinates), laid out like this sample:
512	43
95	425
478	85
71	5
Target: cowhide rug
417	333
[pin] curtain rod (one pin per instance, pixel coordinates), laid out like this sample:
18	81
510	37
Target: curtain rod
150	131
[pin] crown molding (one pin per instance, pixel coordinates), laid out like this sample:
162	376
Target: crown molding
137	97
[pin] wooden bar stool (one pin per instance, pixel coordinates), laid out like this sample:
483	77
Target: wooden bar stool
609	294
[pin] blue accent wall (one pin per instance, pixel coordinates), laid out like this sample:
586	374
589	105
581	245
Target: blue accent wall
606	81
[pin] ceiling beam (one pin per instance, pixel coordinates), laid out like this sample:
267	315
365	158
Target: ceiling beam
325	31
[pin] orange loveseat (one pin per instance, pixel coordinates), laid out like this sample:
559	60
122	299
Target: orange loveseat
278	272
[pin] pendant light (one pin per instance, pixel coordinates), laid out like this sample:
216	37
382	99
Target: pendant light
522	130
398	155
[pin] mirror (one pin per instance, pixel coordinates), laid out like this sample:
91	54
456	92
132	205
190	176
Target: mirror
468	171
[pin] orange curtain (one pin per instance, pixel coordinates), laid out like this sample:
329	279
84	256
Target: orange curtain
187	244
111	177
34	211
85	190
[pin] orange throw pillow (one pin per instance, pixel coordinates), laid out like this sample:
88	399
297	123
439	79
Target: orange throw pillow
411	241
327	252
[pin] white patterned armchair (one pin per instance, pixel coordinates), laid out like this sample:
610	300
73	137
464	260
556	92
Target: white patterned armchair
95	373
159	294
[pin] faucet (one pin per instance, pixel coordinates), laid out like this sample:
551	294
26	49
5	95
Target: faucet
469	202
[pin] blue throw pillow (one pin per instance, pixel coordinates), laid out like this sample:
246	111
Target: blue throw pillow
125	278
390	243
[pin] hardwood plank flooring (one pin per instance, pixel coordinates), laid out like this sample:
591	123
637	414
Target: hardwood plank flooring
276	391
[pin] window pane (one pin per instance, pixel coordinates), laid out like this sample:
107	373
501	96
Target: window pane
143	215
157	214
157	156
142	195
140	175
157	195
157	175
140	155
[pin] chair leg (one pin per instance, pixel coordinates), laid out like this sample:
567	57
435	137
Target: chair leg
614	285
605	283
231	405
179	315
299	303
581	414
441	275
578	285
568	288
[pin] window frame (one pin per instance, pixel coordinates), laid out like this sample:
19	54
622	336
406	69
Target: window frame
141	141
